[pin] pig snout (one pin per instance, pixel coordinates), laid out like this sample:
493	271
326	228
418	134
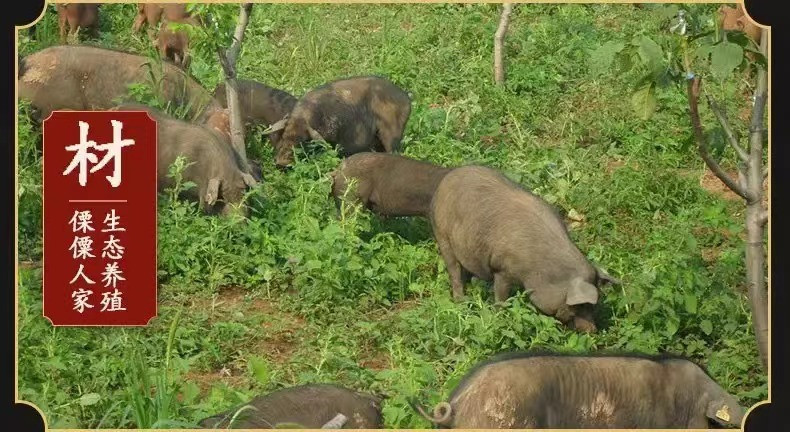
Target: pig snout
283	162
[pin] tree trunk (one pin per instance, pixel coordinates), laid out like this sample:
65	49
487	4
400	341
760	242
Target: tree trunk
499	40
749	186
756	219
228	61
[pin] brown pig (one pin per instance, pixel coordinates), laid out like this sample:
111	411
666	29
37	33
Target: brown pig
260	104
174	44
354	114
152	13
309	406
389	184
73	16
81	77
215	168
487	225
560	391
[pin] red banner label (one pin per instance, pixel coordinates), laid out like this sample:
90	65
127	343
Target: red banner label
100	193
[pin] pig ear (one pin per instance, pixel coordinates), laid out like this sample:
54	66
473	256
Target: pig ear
581	292
212	192
280	125
718	411
249	180
314	135
606	277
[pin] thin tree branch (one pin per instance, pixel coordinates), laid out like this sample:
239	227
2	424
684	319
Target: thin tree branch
499	41
238	36
229	70
228	60
702	145
722	118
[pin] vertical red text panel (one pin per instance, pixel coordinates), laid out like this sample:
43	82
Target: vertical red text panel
112	281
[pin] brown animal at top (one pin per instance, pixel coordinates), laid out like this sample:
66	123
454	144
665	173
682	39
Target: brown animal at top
152	13
174	44
560	391
488	226
73	16
735	18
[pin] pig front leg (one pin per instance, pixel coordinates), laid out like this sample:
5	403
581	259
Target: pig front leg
62	23
389	136
453	268
501	288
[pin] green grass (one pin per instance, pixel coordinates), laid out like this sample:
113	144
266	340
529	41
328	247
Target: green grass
297	295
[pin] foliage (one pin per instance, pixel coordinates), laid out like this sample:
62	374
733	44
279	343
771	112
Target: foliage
693	48
305	292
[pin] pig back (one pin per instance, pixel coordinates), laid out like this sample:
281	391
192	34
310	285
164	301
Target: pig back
259	102
82	77
207	155
396	185
572	392
491	222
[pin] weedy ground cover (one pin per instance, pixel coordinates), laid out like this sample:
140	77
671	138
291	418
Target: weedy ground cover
301	293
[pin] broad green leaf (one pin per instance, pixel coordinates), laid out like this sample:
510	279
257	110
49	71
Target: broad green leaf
260	369
716	141
703	51
602	57
651	55
89	399
725	57
644	101
706	326
666	12
691	303
739	38
672	326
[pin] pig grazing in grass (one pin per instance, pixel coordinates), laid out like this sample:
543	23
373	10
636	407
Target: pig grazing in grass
554	391
215	167
489	226
260	104
355	114
388	184
310	406
82	77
